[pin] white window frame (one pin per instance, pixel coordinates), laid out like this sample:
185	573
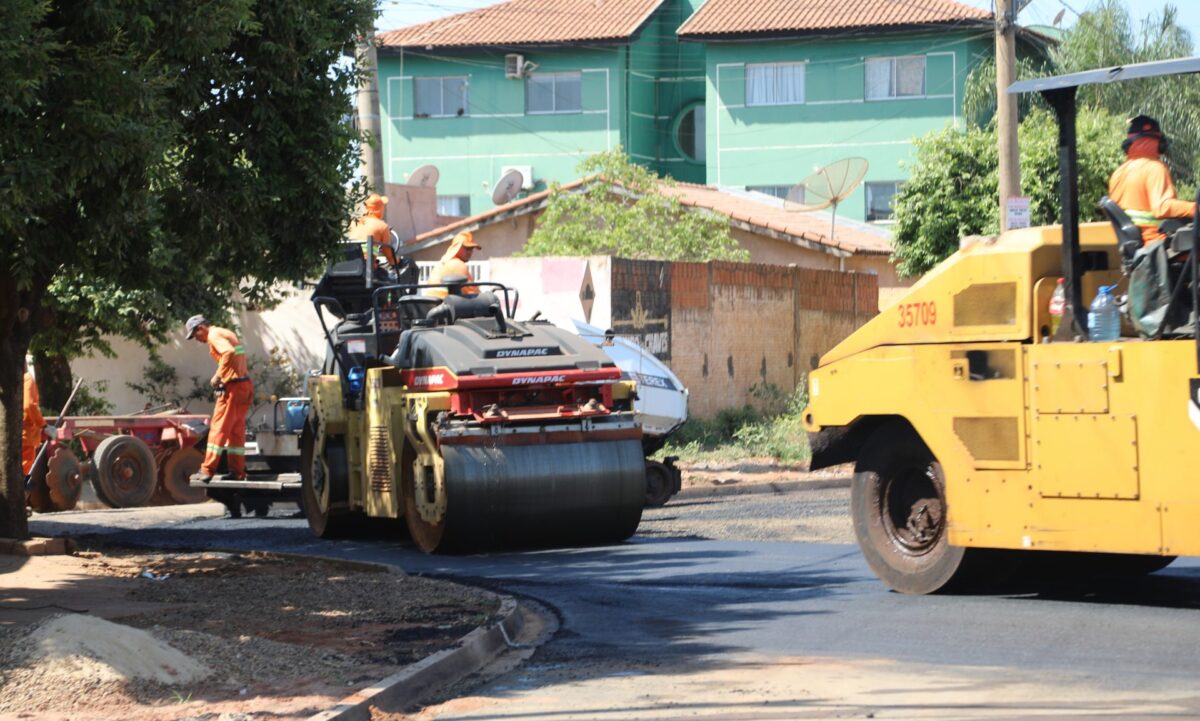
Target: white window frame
466	83
456	198
893	85
803	83
867	200
554	92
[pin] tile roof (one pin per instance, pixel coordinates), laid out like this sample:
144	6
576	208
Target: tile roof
527	22
757	211
766	213
737	17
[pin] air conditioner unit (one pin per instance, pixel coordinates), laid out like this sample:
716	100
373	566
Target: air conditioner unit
514	66
526	172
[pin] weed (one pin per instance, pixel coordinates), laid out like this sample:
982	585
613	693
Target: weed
775	429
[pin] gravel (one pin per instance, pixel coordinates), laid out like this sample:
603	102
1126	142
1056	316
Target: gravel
814	516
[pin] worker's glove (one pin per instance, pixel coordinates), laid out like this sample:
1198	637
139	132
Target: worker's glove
215	382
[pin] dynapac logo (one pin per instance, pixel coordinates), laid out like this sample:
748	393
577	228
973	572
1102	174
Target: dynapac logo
431	379
531	380
522	352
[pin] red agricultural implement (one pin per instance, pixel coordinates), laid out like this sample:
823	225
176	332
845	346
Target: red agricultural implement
133	460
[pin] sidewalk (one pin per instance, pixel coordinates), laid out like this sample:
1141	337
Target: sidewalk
277	637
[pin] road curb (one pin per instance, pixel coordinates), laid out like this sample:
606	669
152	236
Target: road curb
739	489
417	681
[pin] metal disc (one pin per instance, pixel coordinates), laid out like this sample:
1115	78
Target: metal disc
177	472
63	479
125	470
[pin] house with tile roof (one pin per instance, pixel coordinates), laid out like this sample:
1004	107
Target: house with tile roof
537	86
794	85
760	224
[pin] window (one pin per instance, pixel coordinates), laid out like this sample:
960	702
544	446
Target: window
775	191
896	77
458	205
554	93
879	199
689	133
440	97
775	84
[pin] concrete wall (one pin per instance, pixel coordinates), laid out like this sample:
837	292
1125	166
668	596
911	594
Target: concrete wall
723	327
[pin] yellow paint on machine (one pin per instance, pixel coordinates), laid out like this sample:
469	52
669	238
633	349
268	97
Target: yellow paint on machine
1044	446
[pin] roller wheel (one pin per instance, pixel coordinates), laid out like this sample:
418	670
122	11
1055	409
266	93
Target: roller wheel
659	487
63	479
425	534
177	472
126	475
898	504
325	485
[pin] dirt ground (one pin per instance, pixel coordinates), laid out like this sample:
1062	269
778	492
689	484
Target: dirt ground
755	471
278	638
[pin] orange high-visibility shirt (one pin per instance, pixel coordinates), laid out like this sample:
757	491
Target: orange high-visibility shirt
1143	188
32	423
369	227
227	351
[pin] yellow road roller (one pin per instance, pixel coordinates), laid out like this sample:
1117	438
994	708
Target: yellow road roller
982	435
471	429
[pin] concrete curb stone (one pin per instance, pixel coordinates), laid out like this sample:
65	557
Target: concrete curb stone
444	668
37	546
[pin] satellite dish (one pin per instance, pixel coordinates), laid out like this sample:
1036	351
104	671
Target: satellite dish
425	176
827	187
1059	17
507	187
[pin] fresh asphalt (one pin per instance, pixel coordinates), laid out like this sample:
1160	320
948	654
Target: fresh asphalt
670	605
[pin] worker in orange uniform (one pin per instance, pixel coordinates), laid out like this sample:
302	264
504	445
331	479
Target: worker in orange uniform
1142	185
33	425
371	226
235	393
454	263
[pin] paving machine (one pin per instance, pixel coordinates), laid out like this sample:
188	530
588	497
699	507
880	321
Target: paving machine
981	436
476	429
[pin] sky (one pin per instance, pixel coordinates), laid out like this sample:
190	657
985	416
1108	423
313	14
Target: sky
399	13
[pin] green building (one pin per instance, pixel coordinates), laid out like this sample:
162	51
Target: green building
538	85
793	86
745	94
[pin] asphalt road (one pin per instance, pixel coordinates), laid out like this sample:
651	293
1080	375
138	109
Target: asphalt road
675	624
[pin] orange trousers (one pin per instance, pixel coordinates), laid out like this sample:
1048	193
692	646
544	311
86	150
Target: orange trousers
227	433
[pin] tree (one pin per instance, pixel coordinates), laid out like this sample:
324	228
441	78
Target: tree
157	159
952	190
621	212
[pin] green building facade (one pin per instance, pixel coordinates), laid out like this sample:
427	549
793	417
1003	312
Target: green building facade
464	110
777	111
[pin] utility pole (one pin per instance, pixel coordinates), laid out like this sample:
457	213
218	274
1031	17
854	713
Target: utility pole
371	161
1006	105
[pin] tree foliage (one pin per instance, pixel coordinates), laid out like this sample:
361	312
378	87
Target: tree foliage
159	159
622	213
952	190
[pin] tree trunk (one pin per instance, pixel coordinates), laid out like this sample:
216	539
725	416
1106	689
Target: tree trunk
13	521
54	379
20	313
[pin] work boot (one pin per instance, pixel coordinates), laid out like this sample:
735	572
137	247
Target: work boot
202	477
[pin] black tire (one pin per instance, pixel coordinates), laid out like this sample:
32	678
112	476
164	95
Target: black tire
659	487
126	472
326	495
898	505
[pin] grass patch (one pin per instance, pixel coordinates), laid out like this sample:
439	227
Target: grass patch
773	429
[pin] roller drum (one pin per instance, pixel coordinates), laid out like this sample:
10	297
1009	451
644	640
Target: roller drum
542	495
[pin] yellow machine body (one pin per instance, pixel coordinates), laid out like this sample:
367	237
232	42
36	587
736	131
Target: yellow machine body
1067	446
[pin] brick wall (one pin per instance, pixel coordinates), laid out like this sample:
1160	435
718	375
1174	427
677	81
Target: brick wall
729	326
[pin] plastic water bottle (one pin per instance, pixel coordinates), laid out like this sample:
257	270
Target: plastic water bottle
1104	319
1058	305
